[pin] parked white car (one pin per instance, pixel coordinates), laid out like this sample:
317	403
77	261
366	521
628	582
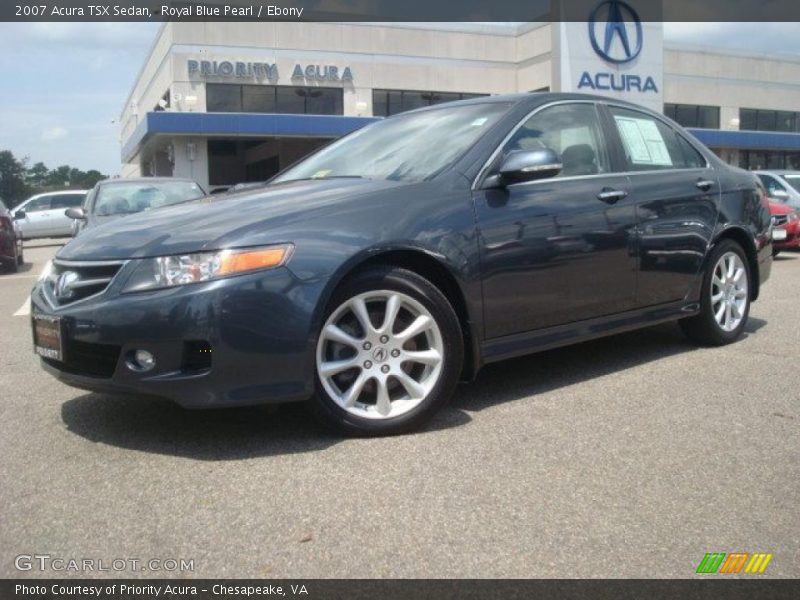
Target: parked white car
44	214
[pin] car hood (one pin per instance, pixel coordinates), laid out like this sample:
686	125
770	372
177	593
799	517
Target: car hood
248	218
776	208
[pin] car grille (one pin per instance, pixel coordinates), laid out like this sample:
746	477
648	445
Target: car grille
84	358
70	282
779	220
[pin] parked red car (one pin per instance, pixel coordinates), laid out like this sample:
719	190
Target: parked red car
786	234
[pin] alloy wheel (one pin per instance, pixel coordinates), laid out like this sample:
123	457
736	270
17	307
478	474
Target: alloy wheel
380	354
729	291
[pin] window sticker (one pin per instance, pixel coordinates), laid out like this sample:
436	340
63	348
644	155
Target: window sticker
643	141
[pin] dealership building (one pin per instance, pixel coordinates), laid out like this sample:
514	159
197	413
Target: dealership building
230	102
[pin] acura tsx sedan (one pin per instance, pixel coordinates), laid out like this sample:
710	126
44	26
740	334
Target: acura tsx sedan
371	277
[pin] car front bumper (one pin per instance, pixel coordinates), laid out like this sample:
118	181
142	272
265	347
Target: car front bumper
237	341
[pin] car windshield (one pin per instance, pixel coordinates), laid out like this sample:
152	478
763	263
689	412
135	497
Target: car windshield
127	198
411	147
794	181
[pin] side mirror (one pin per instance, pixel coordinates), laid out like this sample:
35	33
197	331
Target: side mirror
19	215
76	213
528	165
781	195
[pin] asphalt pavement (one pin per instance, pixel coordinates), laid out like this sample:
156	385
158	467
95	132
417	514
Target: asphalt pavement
631	456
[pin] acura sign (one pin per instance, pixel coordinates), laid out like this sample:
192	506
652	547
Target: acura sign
614	53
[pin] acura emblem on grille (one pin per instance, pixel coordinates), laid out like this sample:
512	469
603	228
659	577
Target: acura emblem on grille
63	287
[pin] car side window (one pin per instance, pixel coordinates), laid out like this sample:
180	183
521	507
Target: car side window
571	130
771	184
692	158
67	200
38	204
651	145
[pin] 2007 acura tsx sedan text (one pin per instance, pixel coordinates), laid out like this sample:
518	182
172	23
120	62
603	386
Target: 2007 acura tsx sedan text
375	274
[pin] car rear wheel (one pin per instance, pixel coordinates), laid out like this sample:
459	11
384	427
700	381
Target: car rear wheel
725	298
388	355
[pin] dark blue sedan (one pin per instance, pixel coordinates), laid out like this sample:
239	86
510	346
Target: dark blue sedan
371	277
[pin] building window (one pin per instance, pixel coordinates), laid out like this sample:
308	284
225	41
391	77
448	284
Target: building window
386	103
754	160
693	115
223	98
274	99
757	119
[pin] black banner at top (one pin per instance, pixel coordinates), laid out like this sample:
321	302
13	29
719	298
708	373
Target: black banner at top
391	10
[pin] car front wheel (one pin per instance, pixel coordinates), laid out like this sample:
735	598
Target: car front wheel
388	355
725	298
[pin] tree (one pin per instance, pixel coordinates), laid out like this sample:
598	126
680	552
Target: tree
18	181
13	188
59	176
37	174
91	177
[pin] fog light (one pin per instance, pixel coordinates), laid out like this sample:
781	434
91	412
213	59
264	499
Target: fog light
142	360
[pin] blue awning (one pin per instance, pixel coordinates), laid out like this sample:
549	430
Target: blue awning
747	140
239	125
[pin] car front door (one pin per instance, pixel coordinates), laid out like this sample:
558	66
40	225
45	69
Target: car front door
37	214
557	250
61	224
776	191
676	192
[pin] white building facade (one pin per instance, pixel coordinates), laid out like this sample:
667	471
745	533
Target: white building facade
225	103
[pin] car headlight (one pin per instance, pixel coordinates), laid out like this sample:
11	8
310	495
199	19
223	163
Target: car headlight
182	269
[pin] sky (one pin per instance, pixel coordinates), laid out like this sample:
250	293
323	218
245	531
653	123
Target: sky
64	83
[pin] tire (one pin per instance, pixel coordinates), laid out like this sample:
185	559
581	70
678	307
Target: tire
722	295
775	252
389	378
21	258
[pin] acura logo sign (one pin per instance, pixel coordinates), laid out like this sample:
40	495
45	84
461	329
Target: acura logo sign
63	287
615	31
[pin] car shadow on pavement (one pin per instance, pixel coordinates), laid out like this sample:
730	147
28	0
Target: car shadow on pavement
553	369
159	426
24	267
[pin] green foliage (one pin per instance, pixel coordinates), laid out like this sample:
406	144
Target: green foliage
13	187
18	181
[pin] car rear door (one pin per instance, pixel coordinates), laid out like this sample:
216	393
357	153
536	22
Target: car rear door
676	193
558	250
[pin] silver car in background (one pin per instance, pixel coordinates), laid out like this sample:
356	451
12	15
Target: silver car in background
44	214
112	199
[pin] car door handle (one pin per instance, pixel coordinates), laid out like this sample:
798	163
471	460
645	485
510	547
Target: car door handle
704	184
611	196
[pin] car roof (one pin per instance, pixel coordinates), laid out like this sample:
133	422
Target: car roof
778	171
532	99
39	195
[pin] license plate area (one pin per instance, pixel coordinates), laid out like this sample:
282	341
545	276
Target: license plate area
48	336
779	234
